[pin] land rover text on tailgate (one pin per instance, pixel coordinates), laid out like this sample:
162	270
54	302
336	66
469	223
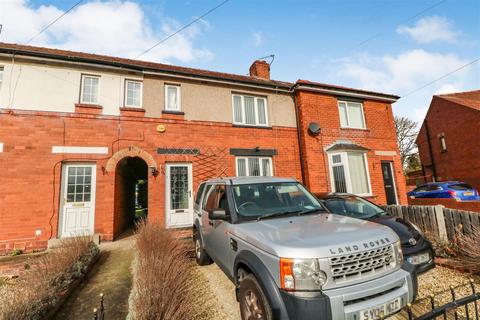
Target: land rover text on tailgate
291	259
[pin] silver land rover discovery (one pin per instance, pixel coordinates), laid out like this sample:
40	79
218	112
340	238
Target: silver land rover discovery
291	259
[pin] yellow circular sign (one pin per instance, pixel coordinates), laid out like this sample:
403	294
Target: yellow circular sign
161	128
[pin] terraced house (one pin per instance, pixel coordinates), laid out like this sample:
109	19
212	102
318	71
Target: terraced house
87	141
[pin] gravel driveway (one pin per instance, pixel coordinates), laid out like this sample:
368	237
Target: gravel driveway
223	289
436	280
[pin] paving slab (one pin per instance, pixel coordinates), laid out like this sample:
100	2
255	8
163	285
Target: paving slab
111	276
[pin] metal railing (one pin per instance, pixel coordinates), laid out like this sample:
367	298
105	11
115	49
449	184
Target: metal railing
466	307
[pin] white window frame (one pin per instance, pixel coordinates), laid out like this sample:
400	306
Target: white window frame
260	161
443	143
348	121
127	81
344	163
2	73
179	95
83	87
256	98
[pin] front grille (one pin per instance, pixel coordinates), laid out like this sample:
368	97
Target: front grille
358	265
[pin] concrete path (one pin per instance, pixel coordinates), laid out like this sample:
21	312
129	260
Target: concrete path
110	276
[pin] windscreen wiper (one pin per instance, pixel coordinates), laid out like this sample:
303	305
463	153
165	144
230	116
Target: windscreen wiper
277	214
301	213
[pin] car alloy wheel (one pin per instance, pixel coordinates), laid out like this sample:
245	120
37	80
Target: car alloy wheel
253	308
198	248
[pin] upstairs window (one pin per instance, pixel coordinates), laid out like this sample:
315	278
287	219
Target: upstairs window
172	98
90	88
349	173
1	77
249	110
133	93
254	166
351	115
443	143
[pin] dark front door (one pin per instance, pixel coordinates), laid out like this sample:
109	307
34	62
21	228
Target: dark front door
389	182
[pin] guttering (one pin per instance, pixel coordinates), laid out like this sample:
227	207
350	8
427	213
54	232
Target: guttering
112	65
346	93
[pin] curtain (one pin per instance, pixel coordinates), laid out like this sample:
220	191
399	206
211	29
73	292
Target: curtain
172	98
267	171
355	117
253	167
249	110
358	174
342	109
237	109
241	168
262	119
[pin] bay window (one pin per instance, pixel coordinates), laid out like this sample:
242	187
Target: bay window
254	166
349	172
249	110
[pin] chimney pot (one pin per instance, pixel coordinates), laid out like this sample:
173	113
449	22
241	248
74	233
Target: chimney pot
260	69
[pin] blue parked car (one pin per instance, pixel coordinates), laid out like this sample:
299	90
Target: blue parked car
449	189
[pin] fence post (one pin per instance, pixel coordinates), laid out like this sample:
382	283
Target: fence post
442	228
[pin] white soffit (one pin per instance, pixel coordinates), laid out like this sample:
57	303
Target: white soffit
90	150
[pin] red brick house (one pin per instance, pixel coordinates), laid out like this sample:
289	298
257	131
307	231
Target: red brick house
448	140
79	132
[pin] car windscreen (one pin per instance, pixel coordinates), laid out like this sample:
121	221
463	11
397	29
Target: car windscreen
353	206
261	199
460	186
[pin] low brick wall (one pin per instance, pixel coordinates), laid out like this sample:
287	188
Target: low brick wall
448	203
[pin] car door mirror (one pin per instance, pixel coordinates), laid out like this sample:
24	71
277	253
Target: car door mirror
217	214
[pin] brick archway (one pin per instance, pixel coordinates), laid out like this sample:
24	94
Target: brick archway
131	151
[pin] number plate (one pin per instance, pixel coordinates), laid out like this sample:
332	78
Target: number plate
468	193
385	309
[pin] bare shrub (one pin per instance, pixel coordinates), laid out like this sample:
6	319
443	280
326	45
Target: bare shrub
469	250
163	276
36	292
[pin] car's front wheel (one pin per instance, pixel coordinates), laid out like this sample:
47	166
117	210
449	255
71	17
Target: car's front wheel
201	256
253	302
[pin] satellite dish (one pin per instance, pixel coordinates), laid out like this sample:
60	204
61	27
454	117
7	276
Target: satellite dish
314	128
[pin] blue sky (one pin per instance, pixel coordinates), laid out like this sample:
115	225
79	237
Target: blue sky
411	42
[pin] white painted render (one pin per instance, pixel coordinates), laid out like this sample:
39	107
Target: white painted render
44	87
70	149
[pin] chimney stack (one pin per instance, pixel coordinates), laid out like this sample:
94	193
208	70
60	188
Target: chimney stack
260	69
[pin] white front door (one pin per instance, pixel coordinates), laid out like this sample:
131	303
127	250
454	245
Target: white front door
178	193
78	200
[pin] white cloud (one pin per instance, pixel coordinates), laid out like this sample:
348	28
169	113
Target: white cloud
405	72
257	38
114	27
431	29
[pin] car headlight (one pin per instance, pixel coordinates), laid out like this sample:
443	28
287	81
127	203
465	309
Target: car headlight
397	250
301	274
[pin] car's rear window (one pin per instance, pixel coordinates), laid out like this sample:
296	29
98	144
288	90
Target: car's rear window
460	186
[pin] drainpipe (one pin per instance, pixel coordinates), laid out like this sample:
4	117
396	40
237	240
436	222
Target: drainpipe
299	135
430	153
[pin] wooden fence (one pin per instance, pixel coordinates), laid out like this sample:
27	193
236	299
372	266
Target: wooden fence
444	222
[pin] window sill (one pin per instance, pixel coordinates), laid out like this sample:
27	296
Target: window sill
88	108
173	112
173	115
251	126
354	129
132	111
